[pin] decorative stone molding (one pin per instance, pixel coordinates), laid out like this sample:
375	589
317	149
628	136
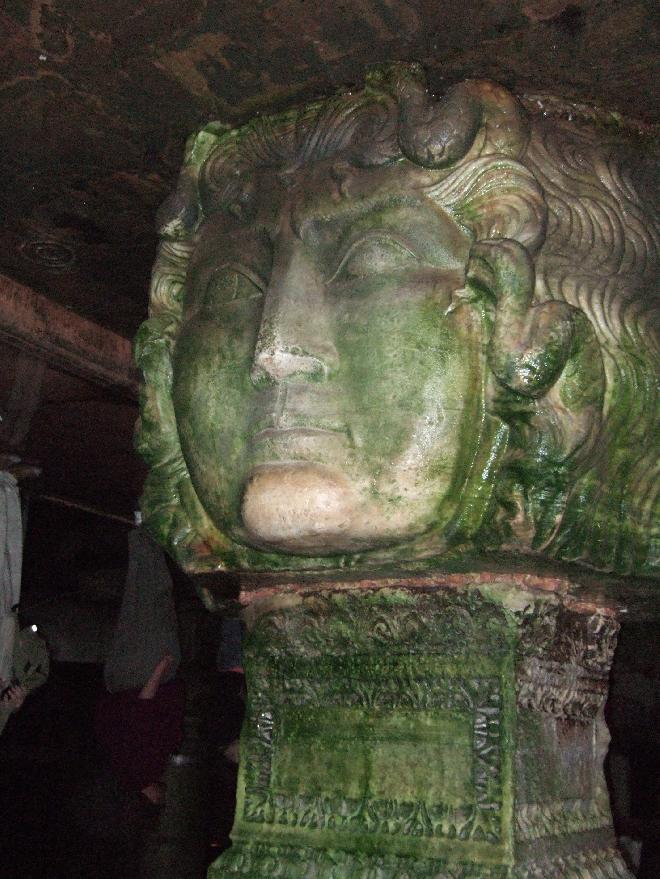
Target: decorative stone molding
416	732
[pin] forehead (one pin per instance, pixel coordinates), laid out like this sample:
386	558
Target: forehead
336	191
324	197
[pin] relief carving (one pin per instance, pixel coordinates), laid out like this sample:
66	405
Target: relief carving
460	733
384	328
255	861
564	661
381	678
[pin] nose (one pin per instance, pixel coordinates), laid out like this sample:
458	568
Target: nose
295	336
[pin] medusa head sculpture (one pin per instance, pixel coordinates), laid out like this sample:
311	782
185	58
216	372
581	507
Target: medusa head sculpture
386	328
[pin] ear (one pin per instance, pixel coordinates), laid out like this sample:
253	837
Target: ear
529	345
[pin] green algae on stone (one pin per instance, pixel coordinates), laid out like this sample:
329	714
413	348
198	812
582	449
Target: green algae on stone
407	732
377	336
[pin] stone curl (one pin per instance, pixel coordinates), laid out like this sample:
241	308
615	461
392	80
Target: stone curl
437	134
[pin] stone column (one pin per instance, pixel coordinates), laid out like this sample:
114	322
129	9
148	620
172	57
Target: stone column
435	728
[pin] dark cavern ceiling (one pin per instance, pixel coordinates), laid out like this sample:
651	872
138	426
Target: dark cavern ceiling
97	99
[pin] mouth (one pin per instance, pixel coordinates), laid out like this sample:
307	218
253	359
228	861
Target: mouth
285	433
302	443
292	412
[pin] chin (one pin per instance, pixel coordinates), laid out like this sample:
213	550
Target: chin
300	507
310	509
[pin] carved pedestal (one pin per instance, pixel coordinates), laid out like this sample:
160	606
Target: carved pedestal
435	729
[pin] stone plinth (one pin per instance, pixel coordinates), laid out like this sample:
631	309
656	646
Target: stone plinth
436	730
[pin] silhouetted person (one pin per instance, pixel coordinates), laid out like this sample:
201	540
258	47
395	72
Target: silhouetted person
139	720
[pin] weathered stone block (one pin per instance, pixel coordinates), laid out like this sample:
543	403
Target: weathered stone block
444	733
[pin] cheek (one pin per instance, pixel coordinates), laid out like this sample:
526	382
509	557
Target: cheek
211	391
393	356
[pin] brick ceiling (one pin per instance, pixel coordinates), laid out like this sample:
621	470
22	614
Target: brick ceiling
98	96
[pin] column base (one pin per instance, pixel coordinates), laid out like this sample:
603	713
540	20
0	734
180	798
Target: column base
427	731
255	861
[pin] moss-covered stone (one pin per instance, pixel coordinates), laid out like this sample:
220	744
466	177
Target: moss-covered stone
437	733
379	336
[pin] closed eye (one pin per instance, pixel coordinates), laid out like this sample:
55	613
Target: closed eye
232	283
374	254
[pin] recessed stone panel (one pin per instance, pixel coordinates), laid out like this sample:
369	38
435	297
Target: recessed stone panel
356	753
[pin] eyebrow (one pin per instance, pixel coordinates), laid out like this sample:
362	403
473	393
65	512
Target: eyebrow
347	211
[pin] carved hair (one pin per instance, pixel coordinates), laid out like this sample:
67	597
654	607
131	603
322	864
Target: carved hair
499	186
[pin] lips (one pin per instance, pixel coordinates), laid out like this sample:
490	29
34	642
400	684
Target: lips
284	433
292	412
273	445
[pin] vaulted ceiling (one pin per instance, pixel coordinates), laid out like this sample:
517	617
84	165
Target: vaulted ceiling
96	101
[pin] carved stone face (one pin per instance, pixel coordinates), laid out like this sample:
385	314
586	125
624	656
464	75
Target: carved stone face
326	399
390	329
